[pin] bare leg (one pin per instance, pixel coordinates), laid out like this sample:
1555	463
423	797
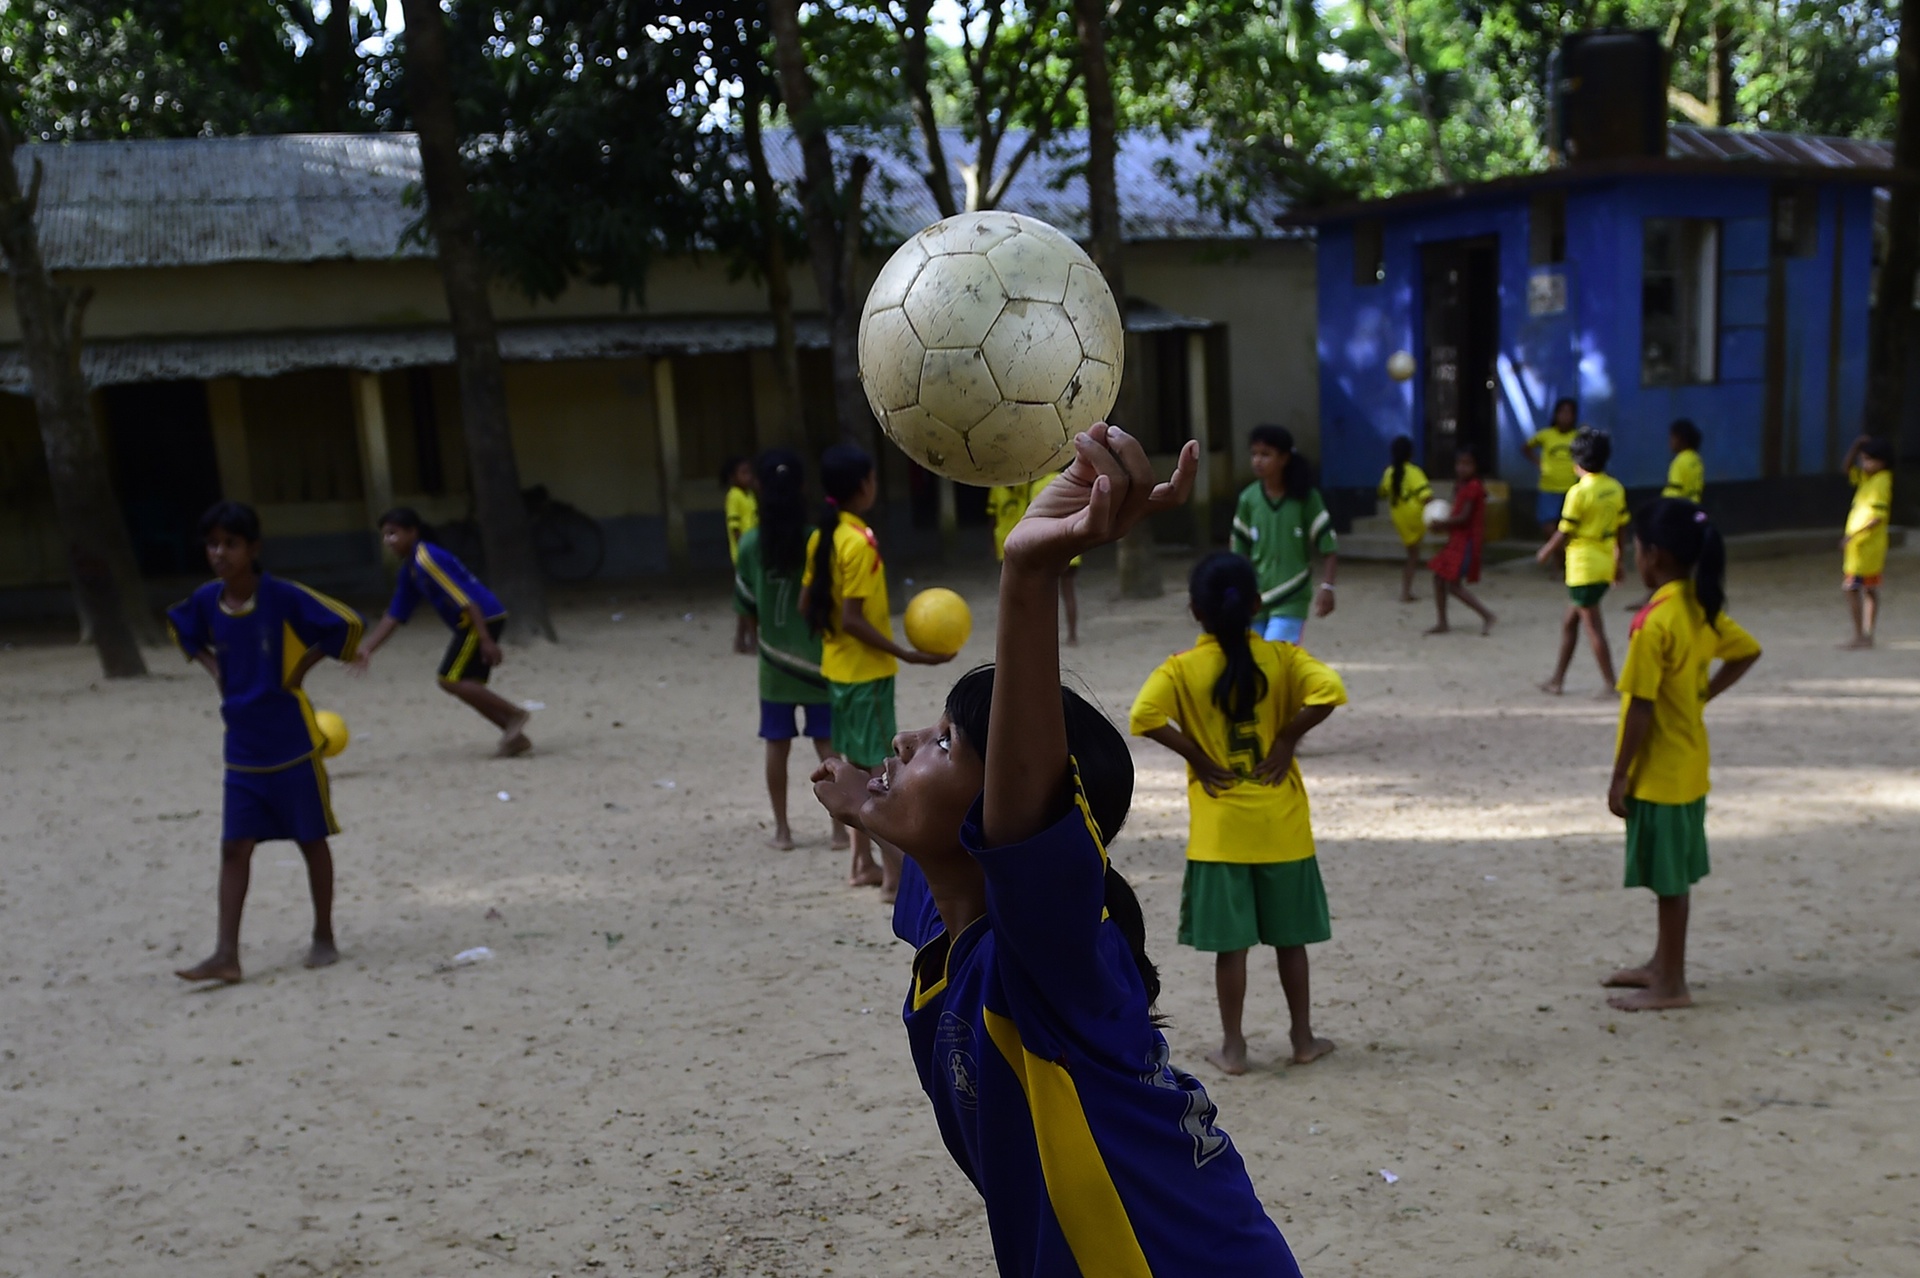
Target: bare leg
502	713
1440	626
1407	572
1870	610
319	860
1667	984
777	752
1597	640
1293	982
863	873
236	865
742	634
1569	636
1465	596
824	749
1070	604
1230	985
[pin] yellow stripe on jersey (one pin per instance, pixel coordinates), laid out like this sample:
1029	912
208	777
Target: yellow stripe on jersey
1079	1187
459	667
326	794
354	625
291	653
425	560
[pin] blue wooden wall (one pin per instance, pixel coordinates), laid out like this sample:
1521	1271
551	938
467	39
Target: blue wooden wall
1592	350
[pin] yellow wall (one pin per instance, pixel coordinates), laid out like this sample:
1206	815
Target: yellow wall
586	430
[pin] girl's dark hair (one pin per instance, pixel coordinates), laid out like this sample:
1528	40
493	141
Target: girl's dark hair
783	509
1592	449
1470	455
1401	451
1683	530
733	462
409	518
1878	447
843	469
235	517
1225	594
1106	778
1686	432
1565	401
1297	478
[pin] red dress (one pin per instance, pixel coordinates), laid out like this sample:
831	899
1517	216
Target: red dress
1460	560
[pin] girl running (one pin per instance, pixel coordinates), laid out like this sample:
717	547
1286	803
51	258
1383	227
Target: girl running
766	594
1660	759
1030	1011
1459	561
1235	707
476	617
844	599
1405	489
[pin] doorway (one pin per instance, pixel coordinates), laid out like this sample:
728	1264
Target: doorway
164	470
1461	321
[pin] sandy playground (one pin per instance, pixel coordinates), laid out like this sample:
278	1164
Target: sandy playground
684	1055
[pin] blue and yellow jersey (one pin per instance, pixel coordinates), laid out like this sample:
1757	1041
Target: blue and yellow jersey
269	725
434	574
1030	1031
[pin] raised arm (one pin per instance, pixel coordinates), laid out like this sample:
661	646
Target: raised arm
1106	491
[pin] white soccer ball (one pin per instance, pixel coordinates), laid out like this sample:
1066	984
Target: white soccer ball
1401	366
1439	510
989	341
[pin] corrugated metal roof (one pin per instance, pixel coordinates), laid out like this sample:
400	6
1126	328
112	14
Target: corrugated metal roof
332	197
113	363
1803	150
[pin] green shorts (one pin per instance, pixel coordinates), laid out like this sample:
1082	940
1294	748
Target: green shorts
1666	845
1226	906
1590	595
863	725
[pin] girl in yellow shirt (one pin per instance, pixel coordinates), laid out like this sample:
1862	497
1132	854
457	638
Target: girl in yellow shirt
1235	706
1660	759
1405	489
743	512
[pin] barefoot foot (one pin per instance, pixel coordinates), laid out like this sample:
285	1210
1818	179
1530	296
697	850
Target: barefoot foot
1650	1000
1551	687
1229	1058
1437	630
1856	644
782	841
513	731
1312	1050
224	970
1486	625
868	877
518	746
322	954
1630	978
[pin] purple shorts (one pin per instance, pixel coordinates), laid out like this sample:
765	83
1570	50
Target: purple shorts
777	721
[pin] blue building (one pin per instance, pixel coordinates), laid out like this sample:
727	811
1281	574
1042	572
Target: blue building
1727	282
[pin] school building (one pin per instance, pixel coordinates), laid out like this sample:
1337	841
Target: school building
1726	280
263	329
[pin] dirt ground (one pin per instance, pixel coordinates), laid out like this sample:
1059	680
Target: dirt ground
683	1056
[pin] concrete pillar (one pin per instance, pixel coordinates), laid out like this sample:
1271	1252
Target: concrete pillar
230	439
667	421
1201	429
769	406
376	464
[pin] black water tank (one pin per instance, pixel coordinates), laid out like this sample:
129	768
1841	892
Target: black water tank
1609	94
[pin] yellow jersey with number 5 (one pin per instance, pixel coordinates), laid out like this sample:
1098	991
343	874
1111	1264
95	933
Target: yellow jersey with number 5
1249	822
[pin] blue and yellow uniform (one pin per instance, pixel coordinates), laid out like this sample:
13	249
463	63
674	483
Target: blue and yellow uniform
436	575
1031	1034
276	787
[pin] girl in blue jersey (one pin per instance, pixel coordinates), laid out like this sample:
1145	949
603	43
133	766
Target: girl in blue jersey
258	636
432	572
1030	1013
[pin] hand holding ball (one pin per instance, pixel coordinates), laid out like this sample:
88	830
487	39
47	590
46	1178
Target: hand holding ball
1436	512
938	621
989	340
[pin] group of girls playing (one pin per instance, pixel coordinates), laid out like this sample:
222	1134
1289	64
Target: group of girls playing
259	635
1030	1010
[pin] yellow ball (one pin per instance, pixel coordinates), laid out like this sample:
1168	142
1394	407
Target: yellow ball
334	729
938	621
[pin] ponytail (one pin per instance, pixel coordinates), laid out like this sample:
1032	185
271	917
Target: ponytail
783	510
1123	907
1401	450
1225	594
843	471
1683	530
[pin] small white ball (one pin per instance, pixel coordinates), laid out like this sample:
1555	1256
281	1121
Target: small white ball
1401	365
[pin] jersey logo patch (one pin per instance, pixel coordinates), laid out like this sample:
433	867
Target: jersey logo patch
952	1048
1197	1122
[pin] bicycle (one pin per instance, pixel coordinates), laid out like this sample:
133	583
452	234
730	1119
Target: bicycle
568	544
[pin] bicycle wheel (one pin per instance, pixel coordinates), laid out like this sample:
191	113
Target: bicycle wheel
569	545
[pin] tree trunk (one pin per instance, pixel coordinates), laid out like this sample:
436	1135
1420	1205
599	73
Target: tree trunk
1893	332
502	513
1139	565
1720	89
337	70
786	346
833	222
913	73
106	581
